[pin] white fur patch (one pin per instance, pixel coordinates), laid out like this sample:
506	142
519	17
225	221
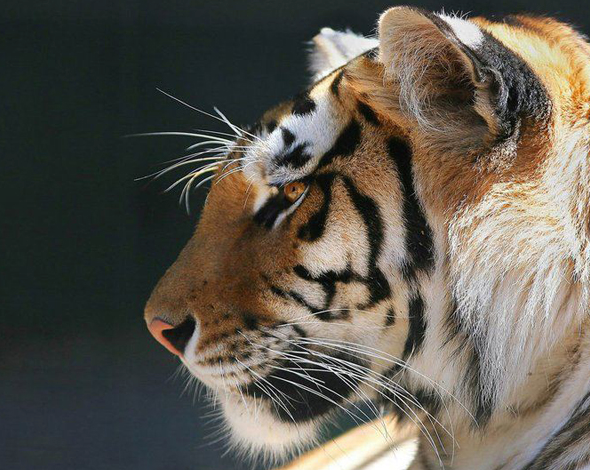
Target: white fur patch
467	32
333	49
254	427
318	130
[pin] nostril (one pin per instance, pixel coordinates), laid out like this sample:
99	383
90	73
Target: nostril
173	338
180	335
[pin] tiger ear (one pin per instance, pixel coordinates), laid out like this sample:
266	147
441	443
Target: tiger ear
332	49
446	75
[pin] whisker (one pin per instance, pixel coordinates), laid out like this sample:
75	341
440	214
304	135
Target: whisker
364	327
182	134
248	189
161	173
239	168
228	173
224	133
203	112
295	359
365	372
199	171
228	145
316	382
272	387
386	384
218	152
363	376
343	378
233	126
378	354
187	188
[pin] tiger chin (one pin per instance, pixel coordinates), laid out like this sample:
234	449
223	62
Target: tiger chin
411	234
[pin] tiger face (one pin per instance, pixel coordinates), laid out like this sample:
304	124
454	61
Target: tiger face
296	267
321	271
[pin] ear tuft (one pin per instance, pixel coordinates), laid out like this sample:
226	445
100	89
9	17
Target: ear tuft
333	49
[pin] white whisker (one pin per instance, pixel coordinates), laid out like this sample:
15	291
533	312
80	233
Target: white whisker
213	138
224	133
200	171
233	126
364	375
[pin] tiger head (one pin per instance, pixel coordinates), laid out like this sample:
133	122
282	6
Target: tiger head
325	265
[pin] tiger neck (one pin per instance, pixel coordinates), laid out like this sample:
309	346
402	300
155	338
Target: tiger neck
505	344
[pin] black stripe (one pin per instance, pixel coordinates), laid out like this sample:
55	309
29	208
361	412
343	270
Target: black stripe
368	113
303	104
419	244
298	298
288	136
369	211
335	86
375	280
315	226
345	144
428	399
390	317
417	326
576	429
269	212
295	158
327	280
468	344
279	292
301	301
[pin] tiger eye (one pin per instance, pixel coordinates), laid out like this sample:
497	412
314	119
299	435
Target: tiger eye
294	190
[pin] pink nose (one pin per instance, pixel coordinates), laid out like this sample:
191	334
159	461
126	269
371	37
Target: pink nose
163	332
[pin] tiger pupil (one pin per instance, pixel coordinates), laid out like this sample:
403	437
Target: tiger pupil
293	191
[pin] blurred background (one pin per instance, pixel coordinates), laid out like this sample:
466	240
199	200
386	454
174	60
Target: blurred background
82	384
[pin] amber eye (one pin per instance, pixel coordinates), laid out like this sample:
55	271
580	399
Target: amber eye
294	190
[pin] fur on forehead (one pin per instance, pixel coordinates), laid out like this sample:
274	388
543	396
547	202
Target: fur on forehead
294	147
332	49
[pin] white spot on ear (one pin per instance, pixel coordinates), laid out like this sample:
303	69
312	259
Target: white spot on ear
467	32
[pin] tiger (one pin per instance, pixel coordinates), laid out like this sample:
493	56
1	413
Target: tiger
409	235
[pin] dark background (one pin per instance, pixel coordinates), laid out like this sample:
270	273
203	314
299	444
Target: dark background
82	384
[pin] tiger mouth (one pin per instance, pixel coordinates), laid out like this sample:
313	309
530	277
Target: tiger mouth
300	386
311	388
295	378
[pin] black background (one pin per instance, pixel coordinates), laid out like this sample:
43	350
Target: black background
82	384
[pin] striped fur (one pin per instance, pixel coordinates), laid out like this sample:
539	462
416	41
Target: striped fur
437	264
